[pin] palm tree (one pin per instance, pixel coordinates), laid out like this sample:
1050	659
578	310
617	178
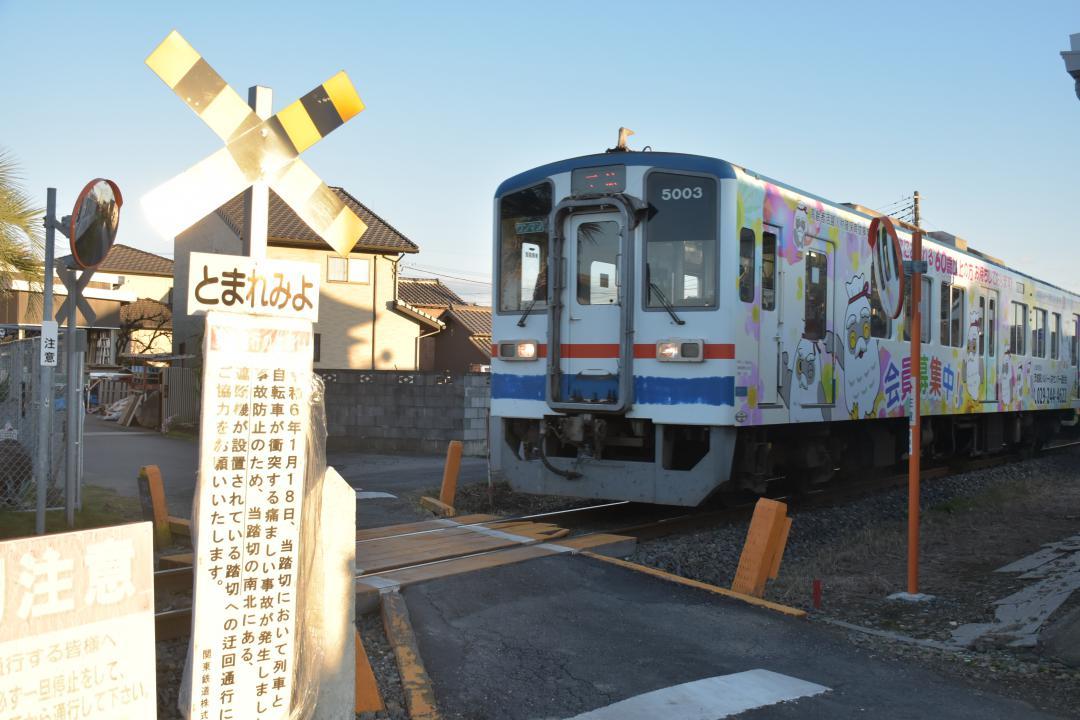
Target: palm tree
20	228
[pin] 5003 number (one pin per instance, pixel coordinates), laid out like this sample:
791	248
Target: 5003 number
689	193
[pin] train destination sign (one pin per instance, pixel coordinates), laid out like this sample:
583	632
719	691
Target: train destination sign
249	286
77	625
887	265
94	222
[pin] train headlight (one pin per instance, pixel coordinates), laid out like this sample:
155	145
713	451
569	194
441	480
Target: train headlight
678	350
519	350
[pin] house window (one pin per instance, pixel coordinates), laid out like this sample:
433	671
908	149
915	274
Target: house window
1018	329
347	270
317	346
952	314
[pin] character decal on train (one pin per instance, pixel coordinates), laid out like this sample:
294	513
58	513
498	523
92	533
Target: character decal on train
973	361
862	362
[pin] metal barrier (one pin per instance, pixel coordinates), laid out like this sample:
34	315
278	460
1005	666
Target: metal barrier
20	404
180	395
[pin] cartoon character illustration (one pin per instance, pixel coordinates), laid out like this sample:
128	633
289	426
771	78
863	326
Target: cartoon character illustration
973	363
805	364
1005	380
802	227
862	368
801	386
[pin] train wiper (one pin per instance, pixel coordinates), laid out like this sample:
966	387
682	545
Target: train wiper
525	315
667	305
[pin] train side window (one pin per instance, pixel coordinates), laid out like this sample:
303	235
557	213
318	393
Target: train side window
1038	334
991	325
1076	344
952	314
768	271
817	293
523	244
746	265
880	323
924	310
1018	329
1055	336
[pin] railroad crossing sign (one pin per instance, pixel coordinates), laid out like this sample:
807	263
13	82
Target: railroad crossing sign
256	150
887	265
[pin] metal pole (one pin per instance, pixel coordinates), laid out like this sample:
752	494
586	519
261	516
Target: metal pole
74	404
914	423
257	197
45	372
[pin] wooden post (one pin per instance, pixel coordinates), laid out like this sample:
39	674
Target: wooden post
764	548
450	473
368	698
150	475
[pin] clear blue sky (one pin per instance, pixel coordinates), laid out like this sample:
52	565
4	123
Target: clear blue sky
856	101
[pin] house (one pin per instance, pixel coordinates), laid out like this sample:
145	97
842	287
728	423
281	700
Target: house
362	325
126	276
464	345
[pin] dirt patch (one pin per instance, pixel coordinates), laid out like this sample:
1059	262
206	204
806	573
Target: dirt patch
500	499
972	524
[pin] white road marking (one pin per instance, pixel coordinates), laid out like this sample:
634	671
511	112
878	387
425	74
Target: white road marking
372	495
129	433
709	699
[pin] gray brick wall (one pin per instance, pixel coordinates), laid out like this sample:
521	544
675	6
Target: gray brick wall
389	411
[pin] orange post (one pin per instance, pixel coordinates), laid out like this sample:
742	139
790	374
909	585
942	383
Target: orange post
368	698
765	541
914	425
450	473
151	475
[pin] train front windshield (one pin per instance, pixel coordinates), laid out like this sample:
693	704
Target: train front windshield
680	241
523	248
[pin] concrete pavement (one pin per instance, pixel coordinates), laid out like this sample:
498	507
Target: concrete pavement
560	636
113	455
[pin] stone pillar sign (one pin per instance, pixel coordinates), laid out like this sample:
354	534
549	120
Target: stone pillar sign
77	626
255	417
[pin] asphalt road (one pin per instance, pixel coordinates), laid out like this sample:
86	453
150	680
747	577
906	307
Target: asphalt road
559	636
113	455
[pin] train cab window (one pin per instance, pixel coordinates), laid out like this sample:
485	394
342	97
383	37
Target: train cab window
746	265
1018	329
523	249
680	241
1038	334
817	294
924	310
597	263
952	315
768	270
1055	336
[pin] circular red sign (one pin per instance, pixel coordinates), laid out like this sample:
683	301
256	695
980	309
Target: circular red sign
887	265
94	222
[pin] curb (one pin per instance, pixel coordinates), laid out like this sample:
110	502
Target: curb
415	682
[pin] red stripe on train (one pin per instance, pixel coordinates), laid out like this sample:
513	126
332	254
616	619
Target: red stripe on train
610	351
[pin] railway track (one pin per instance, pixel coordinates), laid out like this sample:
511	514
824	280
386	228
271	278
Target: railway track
621	518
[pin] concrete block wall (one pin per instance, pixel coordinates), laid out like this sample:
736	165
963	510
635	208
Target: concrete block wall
390	411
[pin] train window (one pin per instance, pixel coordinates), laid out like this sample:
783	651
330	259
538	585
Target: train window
768	271
746	265
1038	334
817	293
952	314
991	324
597	258
680	235
523	248
1018	329
1076	345
924	310
1055	336
880	323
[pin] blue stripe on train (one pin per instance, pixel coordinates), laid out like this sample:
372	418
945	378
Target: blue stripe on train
647	390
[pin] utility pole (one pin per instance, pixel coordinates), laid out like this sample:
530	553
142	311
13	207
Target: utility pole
918	217
45	373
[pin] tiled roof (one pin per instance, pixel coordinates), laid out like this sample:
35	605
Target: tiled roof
475	318
124	259
286	227
482	343
146	313
427	292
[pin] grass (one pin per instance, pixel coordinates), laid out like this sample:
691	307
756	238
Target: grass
101	507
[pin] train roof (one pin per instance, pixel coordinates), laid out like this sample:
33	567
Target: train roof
724	170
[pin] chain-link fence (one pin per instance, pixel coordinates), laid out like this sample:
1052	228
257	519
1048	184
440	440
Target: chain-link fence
20	405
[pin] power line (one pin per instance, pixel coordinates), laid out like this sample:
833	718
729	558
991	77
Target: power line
444	275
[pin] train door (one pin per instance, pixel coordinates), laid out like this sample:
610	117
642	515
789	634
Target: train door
817	287
986	329
769	326
589	356
1076	352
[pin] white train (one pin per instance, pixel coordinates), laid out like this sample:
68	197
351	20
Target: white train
666	325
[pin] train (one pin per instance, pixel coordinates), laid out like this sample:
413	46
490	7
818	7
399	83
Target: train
668	326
